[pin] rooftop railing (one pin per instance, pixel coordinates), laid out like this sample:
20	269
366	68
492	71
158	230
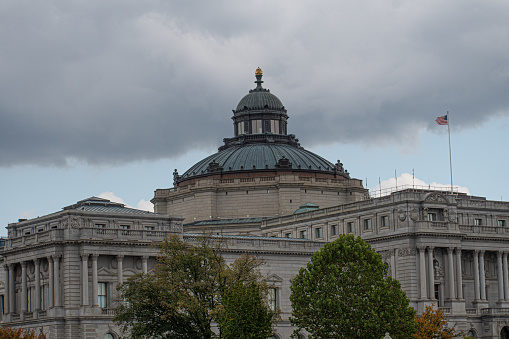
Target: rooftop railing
87	233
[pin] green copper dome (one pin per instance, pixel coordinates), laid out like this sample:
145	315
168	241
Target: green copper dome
260	143
260	157
259	100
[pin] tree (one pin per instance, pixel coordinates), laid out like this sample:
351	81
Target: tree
191	287
19	333
244	314
433	324
343	293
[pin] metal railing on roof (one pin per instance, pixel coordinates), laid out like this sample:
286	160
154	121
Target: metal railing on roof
414	188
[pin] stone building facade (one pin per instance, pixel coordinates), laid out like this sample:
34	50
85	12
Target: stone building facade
61	270
264	195
446	249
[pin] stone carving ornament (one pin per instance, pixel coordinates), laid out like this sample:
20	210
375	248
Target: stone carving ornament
414	214
404	252
452	215
439	271
436	197
401	215
75	222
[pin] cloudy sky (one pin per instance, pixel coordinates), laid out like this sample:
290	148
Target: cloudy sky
108	97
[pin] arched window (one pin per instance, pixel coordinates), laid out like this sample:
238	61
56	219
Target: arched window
472	334
109	336
504	334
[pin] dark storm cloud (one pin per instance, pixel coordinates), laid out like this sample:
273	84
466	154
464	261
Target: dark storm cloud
119	81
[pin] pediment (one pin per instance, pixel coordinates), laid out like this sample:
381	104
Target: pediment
273	278
105	271
436	197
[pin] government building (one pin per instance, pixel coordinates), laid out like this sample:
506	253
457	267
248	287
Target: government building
264	195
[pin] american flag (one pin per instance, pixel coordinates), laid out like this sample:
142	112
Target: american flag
442	120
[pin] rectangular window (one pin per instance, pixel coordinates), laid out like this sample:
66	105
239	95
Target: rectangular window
43	297
102	294
478	222
501	223
288	235
367	224
432	217
100	228
274	126
2	310
272	298
385	221
334	230
125	229
318	232
437	295
240	128
29	299
256	127
150	228
350	227
303	234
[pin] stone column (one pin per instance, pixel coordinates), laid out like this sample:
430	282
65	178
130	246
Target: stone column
500	276
12	291
95	297
396	255
505	273
431	274
144	263
24	296
120	276
459	277
84	279
452	283
393	264
7	290
51	287
482	275
422	271
56	280
37	264
477	296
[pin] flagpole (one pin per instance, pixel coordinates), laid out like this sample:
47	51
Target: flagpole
450	156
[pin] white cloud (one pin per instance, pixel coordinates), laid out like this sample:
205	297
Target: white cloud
145	205
112	197
407	180
142	204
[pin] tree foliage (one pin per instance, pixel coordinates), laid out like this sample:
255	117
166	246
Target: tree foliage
20	333
433	324
343	293
244	314
191	287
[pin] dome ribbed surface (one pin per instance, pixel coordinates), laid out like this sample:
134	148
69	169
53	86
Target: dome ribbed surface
257	100
260	157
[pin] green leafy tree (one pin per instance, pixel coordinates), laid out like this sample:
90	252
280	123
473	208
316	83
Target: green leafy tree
191	287
344	293
244	313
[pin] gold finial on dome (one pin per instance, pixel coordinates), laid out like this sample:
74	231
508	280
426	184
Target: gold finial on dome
258	71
